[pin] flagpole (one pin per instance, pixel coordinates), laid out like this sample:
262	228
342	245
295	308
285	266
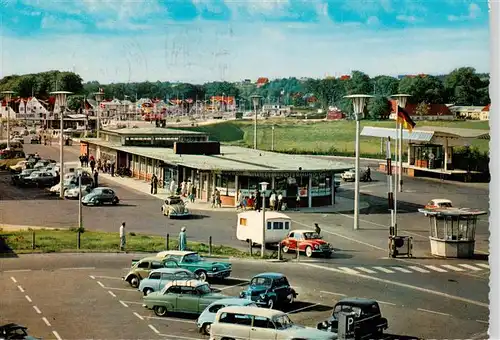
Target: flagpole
394	187
400	156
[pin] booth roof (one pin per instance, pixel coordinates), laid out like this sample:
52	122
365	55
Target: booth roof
425	133
453	212
154	131
232	158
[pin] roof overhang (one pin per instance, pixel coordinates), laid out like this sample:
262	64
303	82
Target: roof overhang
426	133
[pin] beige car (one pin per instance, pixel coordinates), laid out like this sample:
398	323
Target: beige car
20	166
141	268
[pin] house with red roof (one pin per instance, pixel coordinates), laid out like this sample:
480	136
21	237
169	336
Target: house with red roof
262	81
433	112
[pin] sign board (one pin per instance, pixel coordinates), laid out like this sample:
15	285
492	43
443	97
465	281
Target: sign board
345	326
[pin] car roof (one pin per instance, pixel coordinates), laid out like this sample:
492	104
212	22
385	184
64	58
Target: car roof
176	252
265	312
169	270
233	302
357	301
270	275
186	283
150	258
441	200
303	231
269	214
101	188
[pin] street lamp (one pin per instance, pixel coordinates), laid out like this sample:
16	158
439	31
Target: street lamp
255	100
272	138
99	96
80	213
358	102
263	187
61	100
401	100
7	95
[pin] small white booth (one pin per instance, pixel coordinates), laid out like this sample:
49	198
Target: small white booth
452	231
250	226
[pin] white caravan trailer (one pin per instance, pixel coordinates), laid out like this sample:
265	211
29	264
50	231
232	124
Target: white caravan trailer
249	227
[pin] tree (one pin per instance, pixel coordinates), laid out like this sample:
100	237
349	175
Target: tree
422	109
219	88
71	82
75	102
385	86
423	88
27	86
379	107
463	87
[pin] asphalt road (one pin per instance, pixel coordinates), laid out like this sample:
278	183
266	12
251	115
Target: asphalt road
82	296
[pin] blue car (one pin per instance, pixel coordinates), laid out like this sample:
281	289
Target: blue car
269	290
100	196
159	278
207	317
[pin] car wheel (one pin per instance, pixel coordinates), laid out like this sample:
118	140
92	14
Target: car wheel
202	275
134	281
205	329
147	291
115	201
270	304
97	202
291	298
160	310
285	249
309	251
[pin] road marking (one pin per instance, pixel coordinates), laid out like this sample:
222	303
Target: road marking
20	288
239	284
154	329
436	269
482	321
468	266
385	270
433	312
179	337
58	337
13	279
401	269
28	298
303	308
332	293
92	277
100	284
124	304
168	319
111	293
418	269
46	321
238	279
107	277
122	289
366	270
17	270
37	310
449	266
132	302
138	315
386	303
77	268
404	285
484	265
349	270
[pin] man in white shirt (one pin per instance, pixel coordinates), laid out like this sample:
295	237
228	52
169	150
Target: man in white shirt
272	201
122	237
280	201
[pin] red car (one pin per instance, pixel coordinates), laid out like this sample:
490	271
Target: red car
309	242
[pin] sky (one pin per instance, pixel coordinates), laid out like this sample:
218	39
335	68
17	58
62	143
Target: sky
230	40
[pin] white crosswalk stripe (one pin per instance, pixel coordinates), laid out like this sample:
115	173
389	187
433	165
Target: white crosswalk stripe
449	266
484	265
418	269
385	270
366	270
401	269
468	266
437	269
349	270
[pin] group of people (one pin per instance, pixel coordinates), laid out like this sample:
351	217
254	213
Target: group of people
182	238
185	189
254	201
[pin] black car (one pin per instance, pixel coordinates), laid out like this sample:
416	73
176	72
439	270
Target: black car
269	290
368	320
13	331
17	178
36	140
39	179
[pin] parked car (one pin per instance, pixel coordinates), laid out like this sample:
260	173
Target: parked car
18	178
368	320
438	203
99	196
269	290
39	179
246	322
74	191
140	269
194	262
19	166
184	296
10	157
174	207
15	331
18	140
159	278
42	163
309	242
350	176
207	317
36	139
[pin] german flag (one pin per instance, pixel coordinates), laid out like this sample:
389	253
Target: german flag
404	119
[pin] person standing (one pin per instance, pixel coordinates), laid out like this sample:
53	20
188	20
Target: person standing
112	168
297	201
193	194
217	198
154	184
96	178
122	237
81	161
272	201
317	229
280	201
182	239
258	200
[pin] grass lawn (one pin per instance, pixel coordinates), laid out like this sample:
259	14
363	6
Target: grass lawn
48	241
320	137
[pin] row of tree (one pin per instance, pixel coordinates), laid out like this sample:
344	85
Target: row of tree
463	86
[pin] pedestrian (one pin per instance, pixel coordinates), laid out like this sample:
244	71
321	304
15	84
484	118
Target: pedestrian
317	229
108	165
81	161
217	197
214	199
96	178
172	187
368	174
280	201
182	239
257	202
297	202
86	160
272	201
122	237
154	184
112	168
193	194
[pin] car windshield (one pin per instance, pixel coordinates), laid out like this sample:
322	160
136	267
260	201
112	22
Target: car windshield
191	258
204	289
261	281
174	201
26	172
311	236
283	322
445	205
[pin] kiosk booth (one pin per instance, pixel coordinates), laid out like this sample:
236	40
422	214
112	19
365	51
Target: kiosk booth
452	231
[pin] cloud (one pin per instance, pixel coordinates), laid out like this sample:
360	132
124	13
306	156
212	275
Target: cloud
373	20
407	18
474	11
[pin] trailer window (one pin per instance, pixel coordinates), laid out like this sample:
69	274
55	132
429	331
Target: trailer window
278	226
269	224
287	225
243	221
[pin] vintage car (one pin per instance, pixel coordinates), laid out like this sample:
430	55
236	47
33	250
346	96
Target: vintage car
309	242
99	196
438	203
73	191
192	261
350	176
19	166
159	278
174	207
15	331
368	320
207	317
269	290
140	269
10	157
39	179
246	322
184	296
18	178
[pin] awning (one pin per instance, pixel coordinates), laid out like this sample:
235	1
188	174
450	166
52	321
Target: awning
415	135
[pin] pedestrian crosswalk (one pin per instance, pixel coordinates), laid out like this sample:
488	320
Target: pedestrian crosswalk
423	268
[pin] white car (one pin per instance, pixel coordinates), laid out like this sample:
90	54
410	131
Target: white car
349	175
73	192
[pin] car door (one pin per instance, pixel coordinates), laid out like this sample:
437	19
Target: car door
262	328
154	281
235	326
188	300
292	242
107	195
170	263
279	289
143	269
165	278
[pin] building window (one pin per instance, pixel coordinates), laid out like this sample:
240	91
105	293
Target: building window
226	185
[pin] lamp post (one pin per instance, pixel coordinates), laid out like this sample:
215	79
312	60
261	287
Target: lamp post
80	213
255	101
61	100
7	95
401	100
263	187
99	96
272	138
358	102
